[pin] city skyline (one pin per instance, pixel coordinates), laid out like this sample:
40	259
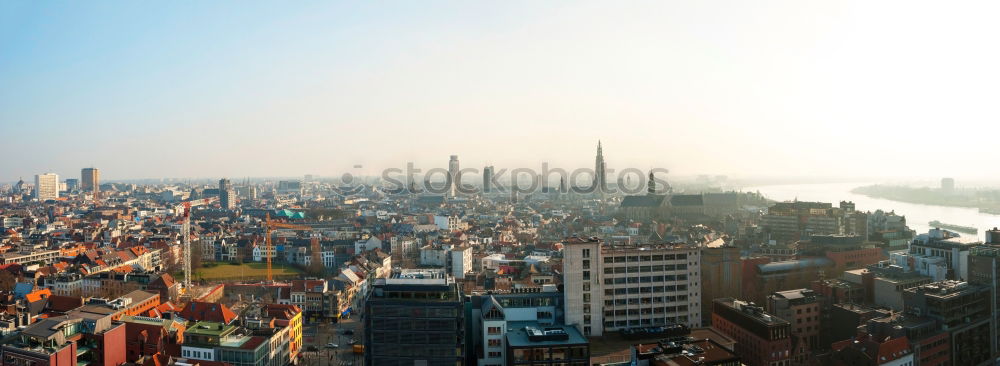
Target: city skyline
172	91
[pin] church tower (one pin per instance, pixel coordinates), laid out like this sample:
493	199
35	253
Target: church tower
600	182
651	186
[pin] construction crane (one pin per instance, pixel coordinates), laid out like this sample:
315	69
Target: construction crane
186	231
270	226
184	209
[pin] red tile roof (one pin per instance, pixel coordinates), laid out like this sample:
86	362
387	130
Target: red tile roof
208	311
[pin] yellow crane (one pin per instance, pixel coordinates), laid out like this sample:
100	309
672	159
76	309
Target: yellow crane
269	227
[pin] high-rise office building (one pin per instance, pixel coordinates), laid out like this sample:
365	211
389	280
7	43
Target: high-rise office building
614	287
947	185
415	321
487	179
453	169
46	186
227	195
90	179
72	184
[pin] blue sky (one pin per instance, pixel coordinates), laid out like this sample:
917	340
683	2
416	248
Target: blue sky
243	88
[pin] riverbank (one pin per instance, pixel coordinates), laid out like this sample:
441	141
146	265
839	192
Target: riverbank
917	215
987	201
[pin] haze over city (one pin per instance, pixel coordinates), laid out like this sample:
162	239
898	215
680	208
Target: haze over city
784	88
475	183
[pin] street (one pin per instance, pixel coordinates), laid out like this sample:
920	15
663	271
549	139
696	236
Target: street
318	335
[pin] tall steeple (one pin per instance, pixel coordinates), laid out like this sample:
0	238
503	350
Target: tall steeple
600	182
651	187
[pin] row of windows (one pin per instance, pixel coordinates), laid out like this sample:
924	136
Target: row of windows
405	311
414	324
645	258
656	310
638	322
638	269
644	279
645	290
554	353
198	354
645	300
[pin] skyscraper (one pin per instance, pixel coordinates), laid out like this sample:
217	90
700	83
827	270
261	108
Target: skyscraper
600	178
227	196
90	179
46	186
453	173
487	178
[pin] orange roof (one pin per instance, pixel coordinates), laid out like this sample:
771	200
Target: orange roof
38	295
166	307
123	269
208	311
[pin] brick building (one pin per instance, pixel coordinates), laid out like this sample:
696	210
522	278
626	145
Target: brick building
761	338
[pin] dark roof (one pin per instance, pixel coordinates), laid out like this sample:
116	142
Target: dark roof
687	200
64	303
649	200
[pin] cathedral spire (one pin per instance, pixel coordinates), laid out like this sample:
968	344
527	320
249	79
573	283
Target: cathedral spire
651	187
600	182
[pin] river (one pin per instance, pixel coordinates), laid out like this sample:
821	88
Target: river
917	215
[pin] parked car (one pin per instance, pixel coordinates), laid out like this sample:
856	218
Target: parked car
332	345
352	341
348	332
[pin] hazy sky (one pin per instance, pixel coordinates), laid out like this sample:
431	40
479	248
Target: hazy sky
242	88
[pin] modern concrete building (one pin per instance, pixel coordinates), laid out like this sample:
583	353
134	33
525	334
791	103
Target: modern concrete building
962	309
555	345
615	287
90	179
412	321
889	286
227	194
940	243
984	270
498	312
461	261
46	186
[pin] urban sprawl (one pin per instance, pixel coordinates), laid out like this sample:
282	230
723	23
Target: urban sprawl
255	272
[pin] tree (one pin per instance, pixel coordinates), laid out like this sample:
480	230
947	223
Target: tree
316	269
7	279
196	252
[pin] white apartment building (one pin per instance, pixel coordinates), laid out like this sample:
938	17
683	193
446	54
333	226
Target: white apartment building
46	186
461	261
609	288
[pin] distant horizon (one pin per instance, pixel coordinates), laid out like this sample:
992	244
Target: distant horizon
731	181
226	88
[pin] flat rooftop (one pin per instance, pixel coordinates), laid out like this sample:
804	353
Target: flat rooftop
208	329
517	335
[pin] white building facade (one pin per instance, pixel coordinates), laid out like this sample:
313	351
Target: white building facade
610	288
46	186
